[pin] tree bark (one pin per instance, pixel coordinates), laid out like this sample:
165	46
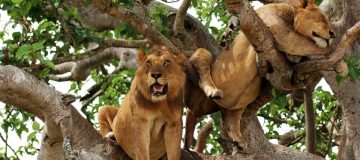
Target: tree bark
347	93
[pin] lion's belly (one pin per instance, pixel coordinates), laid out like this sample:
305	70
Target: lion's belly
235	73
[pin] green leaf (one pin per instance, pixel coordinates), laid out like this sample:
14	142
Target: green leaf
36	126
49	64
45	25
37	46
16	1
31	135
23	50
273	92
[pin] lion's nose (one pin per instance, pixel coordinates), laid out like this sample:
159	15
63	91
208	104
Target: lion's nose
156	75
332	34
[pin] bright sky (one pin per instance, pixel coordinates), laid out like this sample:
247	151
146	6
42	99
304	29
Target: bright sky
65	86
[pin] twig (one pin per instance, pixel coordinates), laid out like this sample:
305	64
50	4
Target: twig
137	23
329	144
180	18
6	143
274	119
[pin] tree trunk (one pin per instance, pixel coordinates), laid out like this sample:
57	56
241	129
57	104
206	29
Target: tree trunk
348	92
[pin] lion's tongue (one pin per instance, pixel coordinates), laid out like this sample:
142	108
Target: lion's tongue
158	87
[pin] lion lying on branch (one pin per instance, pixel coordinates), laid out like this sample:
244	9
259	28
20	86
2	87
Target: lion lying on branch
302	30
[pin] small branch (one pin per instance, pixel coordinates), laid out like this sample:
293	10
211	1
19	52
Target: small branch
81	69
108	43
72	58
334	57
274	119
95	89
290	138
180	18
127	43
331	131
137	23
309	120
7	145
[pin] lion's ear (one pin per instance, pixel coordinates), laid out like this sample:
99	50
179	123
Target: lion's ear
305	3
140	57
179	58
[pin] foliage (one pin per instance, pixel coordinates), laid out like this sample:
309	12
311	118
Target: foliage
353	64
284	114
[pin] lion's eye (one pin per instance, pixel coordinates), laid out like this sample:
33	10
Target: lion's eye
166	62
148	63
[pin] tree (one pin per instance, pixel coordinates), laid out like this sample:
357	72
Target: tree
84	38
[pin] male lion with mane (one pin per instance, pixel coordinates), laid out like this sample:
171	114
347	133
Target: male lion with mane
148	124
301	30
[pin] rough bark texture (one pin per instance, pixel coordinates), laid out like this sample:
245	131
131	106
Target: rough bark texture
348	92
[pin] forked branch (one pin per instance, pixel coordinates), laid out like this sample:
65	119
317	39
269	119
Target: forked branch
137	23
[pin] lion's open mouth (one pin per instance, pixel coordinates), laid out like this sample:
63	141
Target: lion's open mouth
158	89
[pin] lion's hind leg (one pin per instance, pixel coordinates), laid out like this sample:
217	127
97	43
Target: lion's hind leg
106	115
232	120
201	60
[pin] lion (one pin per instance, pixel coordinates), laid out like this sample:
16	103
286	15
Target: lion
148	124
301	30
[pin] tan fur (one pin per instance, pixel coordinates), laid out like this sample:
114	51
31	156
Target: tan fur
147	126
234	72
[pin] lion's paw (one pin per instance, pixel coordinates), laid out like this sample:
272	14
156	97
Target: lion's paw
239	140
341	68
213	92
109	136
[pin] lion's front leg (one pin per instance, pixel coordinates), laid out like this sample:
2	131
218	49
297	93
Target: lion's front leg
141	138
232	125
172	136
201	60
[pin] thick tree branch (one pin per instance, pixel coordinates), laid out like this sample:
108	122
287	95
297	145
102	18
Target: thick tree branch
21	89
180	18
334	57
137	23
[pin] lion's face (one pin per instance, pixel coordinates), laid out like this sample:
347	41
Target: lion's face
161	75
311	22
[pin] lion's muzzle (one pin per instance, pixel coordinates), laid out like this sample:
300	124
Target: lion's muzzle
158	89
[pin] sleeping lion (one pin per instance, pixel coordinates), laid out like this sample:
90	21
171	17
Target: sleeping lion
233	75
148	124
